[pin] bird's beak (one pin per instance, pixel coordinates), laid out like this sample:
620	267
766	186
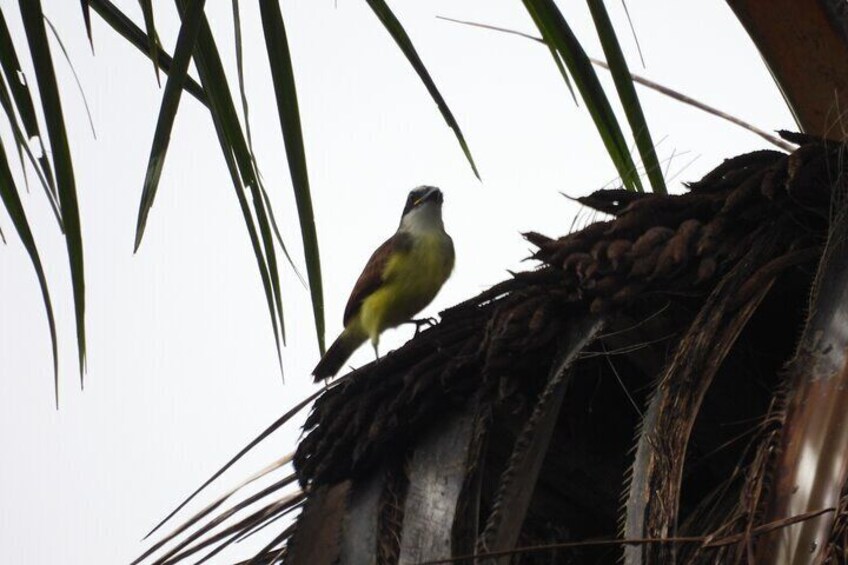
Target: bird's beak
431	195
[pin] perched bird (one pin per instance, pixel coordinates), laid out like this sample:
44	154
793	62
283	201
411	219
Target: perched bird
399	280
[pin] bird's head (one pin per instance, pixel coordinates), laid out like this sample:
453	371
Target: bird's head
421	196
423	208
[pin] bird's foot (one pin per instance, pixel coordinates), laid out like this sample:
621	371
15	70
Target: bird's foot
423	322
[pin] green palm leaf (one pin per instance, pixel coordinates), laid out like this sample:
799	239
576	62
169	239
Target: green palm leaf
395	29
26	110
234	146
557	33
23	147
33	22
12	202
86	16
168	111
246	112
627	93
282	75
153	40
64	51
125	27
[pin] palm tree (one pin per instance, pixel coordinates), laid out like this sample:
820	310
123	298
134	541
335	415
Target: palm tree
475	438
196	42
503	433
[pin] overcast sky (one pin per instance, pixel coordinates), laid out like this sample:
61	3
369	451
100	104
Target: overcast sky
182	370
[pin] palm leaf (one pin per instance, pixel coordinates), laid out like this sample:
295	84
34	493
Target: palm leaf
12	202
255	243
152	39
26	109
554	53
86	15
395	29
556	32
211	507
627	93
33	22
562	71
64	51
633	32
282	74
186	39
125	27
23	147
240	71
233	143
196	37
256	441
246	112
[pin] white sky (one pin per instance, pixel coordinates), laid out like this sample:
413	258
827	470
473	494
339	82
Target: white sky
182	371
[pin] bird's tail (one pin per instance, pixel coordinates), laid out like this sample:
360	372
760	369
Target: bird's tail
341	350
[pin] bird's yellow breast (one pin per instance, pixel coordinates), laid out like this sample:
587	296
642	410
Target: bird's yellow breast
411	280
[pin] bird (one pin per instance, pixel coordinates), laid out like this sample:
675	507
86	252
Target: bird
400	279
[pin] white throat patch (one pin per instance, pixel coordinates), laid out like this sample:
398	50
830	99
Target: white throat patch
426	218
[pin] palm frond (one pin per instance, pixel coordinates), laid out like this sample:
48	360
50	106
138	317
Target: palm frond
627	94
277	424
7	103
26	110
86	16
186	40
125	27
395	29
557	33
234	145
33	21
64	51
152	38
15	209
282	75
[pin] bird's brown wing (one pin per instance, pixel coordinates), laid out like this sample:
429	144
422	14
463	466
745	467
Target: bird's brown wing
372	275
